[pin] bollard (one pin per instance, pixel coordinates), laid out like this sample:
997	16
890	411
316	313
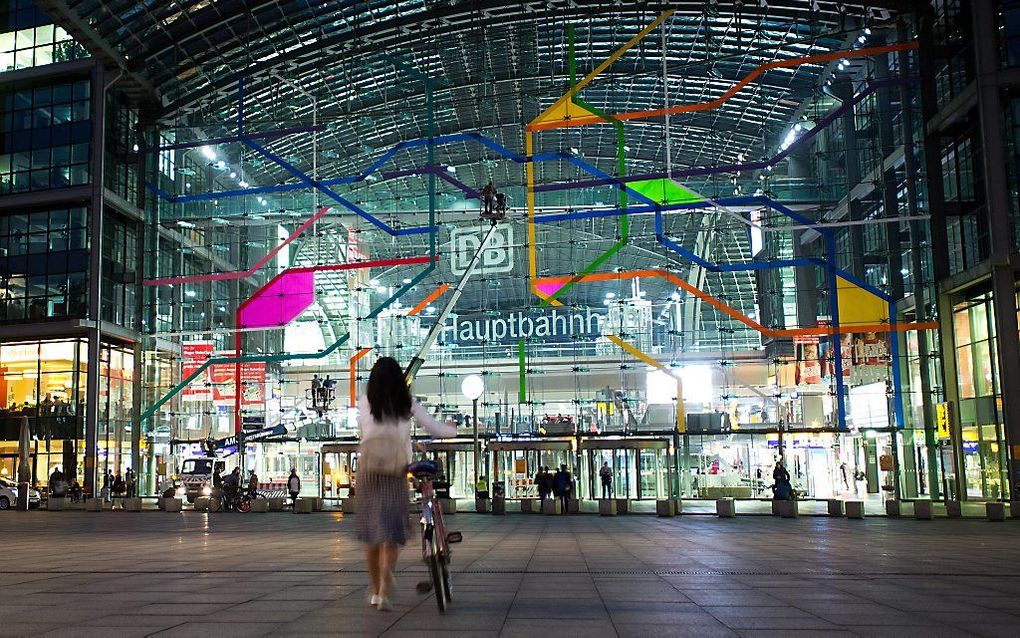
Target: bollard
892	508
775	507
174	505
482	505
666	507
725	508
549	507
304	506
854	509
996	511
527	505
607	507
55	503
132	504
93	505
499	506
922	510
260	505
623	506
215	505
787	509
954	509
276	503
573	506
835	507
202	504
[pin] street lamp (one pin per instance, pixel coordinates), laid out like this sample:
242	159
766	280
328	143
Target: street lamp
472	388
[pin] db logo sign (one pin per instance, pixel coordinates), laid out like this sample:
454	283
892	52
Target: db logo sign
497	257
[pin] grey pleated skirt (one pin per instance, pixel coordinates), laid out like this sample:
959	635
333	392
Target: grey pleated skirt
382	509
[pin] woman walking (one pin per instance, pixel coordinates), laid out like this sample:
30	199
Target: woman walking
384	419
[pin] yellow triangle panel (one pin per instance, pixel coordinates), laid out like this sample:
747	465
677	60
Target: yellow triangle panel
858	306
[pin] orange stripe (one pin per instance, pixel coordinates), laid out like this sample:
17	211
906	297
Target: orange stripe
730	311
736	88
354	360
427	300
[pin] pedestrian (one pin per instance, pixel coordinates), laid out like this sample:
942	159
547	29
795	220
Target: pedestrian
107	484
118	489
316	387
293	486
842	472
56	478
562	487
384	423
253	483
130	482
782	490
543	482
606	475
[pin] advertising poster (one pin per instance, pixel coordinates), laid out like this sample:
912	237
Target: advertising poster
194	354
253	385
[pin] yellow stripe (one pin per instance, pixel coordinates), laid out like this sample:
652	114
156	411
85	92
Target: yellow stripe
681	420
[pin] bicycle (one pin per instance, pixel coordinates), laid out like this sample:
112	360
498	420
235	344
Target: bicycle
435	541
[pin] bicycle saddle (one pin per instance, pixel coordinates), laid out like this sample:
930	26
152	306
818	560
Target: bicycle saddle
426	467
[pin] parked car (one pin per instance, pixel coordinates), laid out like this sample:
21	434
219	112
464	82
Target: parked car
9	495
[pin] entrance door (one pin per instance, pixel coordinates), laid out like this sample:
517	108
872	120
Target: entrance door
338	473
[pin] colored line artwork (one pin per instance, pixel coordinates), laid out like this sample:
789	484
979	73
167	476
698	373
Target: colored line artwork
353	395
277	304
681	420
240	274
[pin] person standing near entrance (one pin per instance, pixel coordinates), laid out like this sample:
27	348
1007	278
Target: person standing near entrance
293	486
562	487
384	422
606	475
543	482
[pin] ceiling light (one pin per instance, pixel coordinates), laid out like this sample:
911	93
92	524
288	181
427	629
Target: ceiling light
233	174
209	153
243	184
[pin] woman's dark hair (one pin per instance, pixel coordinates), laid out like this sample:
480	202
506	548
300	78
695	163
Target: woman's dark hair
388	395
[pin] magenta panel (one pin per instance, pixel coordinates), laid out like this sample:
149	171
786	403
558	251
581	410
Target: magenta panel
280	302
549	288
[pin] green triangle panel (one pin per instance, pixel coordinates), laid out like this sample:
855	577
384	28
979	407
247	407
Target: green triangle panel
665	191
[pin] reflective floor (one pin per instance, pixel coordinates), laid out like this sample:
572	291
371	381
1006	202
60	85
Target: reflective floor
137	574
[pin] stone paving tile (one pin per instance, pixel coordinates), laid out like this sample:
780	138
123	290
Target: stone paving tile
516	575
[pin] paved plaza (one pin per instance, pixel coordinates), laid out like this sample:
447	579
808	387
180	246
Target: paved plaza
138	574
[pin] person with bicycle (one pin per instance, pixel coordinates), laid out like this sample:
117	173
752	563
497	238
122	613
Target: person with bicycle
384	421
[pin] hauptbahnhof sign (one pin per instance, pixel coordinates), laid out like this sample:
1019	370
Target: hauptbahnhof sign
553	325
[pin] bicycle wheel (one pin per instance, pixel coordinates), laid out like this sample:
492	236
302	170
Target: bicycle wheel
437	582
444	564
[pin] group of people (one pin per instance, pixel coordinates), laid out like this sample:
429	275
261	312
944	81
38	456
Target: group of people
228	488
323	392
560	485
117	486
60	487
782	489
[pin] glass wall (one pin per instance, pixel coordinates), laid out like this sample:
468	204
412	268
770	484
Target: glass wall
44	264
44	137
116	399
982	437
121	272
29	38
44	382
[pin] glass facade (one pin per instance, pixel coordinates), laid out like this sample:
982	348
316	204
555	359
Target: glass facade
43	383
29	39
45	134
44	264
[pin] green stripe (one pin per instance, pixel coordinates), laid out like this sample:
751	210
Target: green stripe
522	390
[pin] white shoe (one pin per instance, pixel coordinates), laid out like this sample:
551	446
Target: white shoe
376	598
384	604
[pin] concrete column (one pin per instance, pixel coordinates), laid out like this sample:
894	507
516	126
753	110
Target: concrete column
95	278
996	182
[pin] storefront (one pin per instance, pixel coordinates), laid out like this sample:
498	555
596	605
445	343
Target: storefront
516	462
42	383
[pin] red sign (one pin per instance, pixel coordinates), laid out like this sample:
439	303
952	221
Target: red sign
253	384
194	354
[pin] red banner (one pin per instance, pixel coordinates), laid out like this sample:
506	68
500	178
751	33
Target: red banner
193	355
253	384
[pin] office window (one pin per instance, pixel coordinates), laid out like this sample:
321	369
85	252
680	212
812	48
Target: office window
45	135
44	264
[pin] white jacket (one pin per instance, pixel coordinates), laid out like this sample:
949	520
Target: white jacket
367	424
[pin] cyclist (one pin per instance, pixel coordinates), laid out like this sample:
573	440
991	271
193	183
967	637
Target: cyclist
384	421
